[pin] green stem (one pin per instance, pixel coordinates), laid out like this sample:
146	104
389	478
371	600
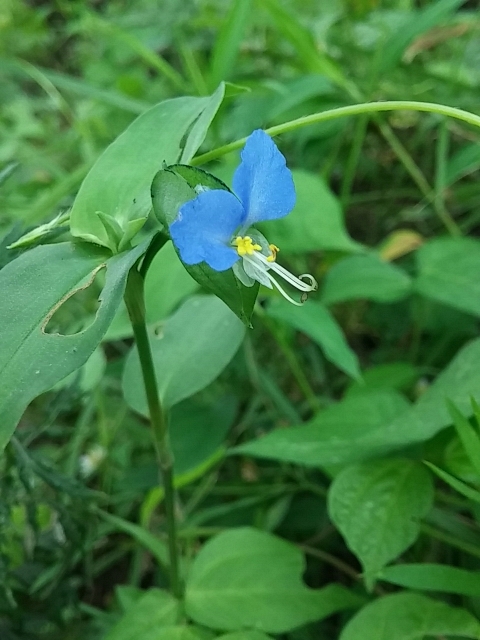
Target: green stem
350	110
134	300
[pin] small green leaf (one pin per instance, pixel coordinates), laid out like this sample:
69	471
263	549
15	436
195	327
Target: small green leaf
34	286
448	272
194	346
377	506
249	578
146	617
433	577
365	277
172	187
316	321
410	616
118	185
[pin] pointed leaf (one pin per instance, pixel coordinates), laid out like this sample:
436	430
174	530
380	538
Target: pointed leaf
33	287
433	577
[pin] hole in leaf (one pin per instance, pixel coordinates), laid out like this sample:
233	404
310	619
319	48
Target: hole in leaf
77	310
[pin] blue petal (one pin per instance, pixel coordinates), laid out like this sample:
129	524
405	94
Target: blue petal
262	181
204	227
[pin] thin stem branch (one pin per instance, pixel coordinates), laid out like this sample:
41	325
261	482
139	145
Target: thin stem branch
342	112
134	300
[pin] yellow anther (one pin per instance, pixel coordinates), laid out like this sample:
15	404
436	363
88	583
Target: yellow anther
273	256
245	246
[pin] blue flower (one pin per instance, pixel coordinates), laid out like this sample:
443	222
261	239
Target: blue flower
216	226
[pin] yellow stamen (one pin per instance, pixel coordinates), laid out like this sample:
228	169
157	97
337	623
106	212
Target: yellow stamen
274	249
245	246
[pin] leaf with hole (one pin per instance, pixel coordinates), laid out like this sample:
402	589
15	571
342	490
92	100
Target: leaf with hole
34	287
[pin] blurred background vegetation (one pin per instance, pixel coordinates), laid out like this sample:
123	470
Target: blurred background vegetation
73	75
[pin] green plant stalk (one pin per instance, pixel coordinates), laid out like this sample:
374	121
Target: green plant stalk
342	112
135	303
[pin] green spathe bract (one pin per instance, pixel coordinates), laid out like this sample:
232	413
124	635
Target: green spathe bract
118	185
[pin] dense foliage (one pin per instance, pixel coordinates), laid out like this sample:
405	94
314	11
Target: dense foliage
326	456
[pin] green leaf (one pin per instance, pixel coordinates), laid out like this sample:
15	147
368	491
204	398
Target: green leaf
372	424
316	321
409	616
433	577
448	272
166	285
467	434
365	277
396	375
34	286
249	578
418	22
315	223
194	346
146	617
118	185
172	187
346	432
377	506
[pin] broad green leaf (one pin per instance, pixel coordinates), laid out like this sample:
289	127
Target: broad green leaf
249	578
396	375
316	321
34	286
365	277
193	347
373	424
410	616
377	506
166	285
172	187
433	577
418	22
448	272
458	382
315	223
118	185
146	617
346	432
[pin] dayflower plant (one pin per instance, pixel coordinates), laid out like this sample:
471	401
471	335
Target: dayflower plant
216	227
